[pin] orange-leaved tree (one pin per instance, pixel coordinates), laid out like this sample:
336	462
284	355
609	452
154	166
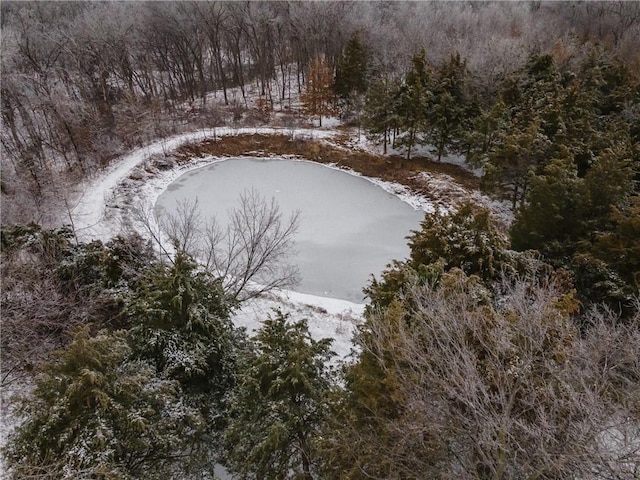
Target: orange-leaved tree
319	97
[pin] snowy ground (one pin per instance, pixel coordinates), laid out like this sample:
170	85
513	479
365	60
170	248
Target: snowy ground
327	317
8	419
102	208
104	205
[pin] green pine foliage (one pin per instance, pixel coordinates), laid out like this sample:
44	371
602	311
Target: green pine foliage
361	430
551	222
540	112
466	239
570	220
380	118
176	356
561	143
181	325
618	248
431	105
81	269
413	97
180	296
484	134
96	412
352	79
279	402
451	110
516	155
352	69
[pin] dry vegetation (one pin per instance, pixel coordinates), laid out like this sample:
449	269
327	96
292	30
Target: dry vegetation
461	372
392	168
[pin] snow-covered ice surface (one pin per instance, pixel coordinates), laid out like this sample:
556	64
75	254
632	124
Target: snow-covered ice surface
92	211
104	208
348	226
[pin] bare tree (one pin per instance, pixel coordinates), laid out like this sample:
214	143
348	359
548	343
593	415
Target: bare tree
611	361
318	98
48	290
483	390
250	253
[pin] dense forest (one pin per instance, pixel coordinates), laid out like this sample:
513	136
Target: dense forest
492	352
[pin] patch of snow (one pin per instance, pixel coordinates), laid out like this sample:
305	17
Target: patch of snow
363	143
446	193
9	419
330	122
461	161
326	317
95	200
105	208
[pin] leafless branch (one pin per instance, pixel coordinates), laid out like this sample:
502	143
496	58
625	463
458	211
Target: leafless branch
508	391
251	253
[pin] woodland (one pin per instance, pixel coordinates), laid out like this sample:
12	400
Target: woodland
496	350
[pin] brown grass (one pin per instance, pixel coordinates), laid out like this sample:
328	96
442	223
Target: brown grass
393	168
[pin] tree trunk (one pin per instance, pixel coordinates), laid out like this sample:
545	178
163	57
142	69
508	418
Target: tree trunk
384	143
223	77
306	461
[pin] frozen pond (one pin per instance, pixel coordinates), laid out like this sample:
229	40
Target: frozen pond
349	227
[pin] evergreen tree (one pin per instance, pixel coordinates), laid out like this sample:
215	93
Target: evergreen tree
551	221
352	72
318	98
618	248
580	111
572	220
357	442
515	156
412	102
379	111
466	240
582	126
98	413
449	108
609	183
484	134
279	402
524	142
561	146
181	325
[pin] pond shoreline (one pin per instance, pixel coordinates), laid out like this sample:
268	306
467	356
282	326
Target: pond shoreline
147	180
104	208
349	227
420	181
